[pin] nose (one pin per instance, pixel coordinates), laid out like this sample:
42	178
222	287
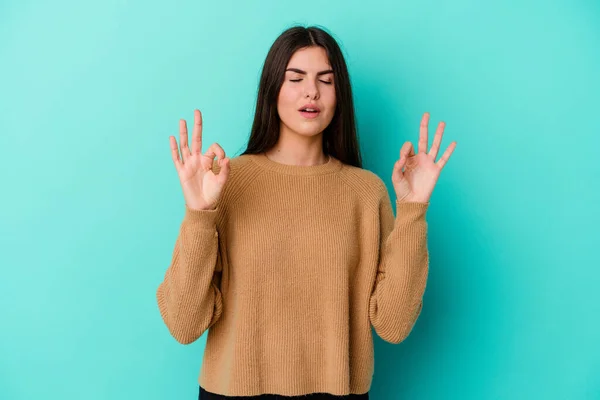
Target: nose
311	90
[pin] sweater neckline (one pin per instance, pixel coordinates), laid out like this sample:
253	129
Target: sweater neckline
332	165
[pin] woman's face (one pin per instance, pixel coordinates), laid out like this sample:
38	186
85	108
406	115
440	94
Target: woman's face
308	80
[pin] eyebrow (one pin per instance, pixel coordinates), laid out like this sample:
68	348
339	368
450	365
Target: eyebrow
328	71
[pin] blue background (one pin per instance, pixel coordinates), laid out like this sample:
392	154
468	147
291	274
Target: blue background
91	203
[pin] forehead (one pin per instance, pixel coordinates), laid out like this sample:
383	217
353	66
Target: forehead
310	59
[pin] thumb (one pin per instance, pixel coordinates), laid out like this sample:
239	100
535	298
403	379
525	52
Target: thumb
397	173
223	171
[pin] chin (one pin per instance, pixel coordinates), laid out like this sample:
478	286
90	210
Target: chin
305	129
308	132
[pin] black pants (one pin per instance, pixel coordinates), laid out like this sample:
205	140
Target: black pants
204	395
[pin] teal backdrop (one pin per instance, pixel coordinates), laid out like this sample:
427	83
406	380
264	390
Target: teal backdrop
91	203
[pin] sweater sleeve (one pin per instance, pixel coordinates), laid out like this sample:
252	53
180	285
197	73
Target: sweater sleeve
403	263
189	298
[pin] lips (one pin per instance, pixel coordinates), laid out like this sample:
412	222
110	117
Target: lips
309	115
310	106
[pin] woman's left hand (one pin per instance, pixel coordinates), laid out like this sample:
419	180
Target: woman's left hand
421	171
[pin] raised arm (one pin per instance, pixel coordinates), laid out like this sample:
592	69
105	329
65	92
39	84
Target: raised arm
188	298
397	295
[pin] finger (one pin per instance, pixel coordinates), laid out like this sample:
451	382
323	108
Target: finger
197	133
446	156
223	171
406	150
183	140
397	173
175	152
215	150
423	140
437	140
411	150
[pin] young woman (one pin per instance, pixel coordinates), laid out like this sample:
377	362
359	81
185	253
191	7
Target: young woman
289	253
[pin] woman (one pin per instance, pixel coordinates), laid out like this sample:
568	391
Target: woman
290	252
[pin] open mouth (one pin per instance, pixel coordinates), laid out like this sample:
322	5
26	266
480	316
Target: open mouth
309	112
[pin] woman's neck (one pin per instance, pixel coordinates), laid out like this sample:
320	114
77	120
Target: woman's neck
296	157
298	150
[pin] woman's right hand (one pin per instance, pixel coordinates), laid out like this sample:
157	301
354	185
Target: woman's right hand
201	186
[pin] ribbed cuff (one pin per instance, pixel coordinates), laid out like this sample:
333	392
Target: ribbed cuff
411	209
205	218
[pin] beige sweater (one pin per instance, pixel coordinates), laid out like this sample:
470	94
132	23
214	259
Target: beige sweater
290	272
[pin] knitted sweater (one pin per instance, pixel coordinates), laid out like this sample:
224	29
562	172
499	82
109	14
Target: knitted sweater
289	273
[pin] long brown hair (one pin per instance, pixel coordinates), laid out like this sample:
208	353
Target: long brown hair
340	138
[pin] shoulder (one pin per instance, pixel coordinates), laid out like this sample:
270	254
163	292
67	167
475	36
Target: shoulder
366	184
363	180
242	172
235	163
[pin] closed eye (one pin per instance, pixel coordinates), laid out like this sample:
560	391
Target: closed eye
298	80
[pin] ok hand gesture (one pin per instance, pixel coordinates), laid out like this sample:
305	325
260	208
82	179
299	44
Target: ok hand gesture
421	171
201	186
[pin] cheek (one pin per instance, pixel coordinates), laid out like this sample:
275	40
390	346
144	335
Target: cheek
328	93
285	108
287	100
288	95
330	99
